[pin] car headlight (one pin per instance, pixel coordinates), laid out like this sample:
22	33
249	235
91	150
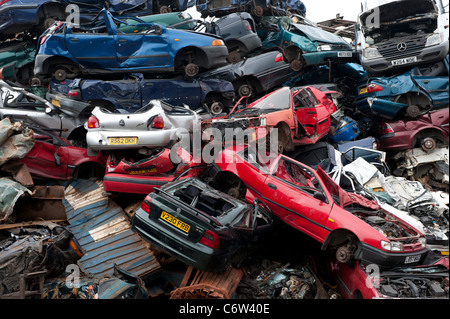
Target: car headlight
392	246
324	47
218	42
423	241
434	39
372	53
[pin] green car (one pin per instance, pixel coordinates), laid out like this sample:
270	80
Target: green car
200	226
176	20
17	60
303	43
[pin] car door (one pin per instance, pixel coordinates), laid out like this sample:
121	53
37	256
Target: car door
295	194
145	49
47	158
93	48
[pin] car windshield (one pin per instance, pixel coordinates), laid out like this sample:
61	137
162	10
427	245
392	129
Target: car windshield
279	100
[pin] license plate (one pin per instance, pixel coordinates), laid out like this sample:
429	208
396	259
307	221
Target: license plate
122	140
362	91
56	103
142	171
412	259
345	54
404	61
175	222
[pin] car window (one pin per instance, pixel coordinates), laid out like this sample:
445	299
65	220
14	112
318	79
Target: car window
278	100
251	156
303	99
298	176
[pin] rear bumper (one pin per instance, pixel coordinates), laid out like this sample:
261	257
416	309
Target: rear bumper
194	254
123	183
67	104
250	42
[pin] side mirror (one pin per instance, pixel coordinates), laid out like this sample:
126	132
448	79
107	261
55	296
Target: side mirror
320	196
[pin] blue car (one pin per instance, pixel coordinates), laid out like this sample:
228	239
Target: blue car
67	51
133	92
410	94
37	15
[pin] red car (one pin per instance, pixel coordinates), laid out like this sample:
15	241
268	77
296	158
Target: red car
368	282
54	157
136	175
425	131
351	226
301	115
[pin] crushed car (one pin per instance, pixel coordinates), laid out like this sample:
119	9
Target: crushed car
413	93
131	172
400	34
201	226
68	51
350	226
53	157
254	75
427	131
157	124
303	43
133	92
17	60
299	116
19	104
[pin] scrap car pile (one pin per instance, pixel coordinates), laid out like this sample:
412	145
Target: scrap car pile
137	138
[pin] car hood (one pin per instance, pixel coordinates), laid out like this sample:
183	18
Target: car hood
319	35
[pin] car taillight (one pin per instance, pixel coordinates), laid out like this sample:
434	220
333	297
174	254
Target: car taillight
146	204
374	88
158	122
73	93
279	57
247	25
93	122
50	31
210	239
4	1
386	129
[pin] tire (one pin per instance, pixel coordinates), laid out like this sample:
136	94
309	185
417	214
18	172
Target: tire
428	144
191	69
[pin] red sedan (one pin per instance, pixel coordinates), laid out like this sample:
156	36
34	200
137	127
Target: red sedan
350	225
301	115
53	157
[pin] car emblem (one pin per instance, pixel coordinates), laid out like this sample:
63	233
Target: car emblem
401	46
122	123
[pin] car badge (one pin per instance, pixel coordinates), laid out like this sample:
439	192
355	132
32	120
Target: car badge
401	46
122	123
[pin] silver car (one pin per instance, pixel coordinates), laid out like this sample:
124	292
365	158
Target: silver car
155	125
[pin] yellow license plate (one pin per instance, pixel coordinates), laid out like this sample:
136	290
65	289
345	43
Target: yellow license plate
142	171
362	91
122	140
56	103
175	222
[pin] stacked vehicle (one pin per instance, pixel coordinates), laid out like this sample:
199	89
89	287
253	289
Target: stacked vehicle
252	117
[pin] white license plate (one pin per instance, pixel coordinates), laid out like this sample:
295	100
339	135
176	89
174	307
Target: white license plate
404	61
412	259
345	54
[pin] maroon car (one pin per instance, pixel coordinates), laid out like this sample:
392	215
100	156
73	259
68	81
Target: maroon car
425	131
53	157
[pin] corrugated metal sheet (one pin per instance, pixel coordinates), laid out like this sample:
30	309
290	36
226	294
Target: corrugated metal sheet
104	232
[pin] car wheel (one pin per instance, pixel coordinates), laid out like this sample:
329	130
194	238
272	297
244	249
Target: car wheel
413	111
216	108
296	65
429	144
345	253
60	75
191	69
234	57
48	22
35	82
245	90
165	9
258	11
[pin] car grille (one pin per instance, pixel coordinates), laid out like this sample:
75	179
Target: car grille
414	46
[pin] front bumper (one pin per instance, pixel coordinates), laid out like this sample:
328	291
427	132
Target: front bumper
388	260
215	56
194	254
427	55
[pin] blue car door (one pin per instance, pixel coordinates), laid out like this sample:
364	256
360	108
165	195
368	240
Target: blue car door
146	49
93	48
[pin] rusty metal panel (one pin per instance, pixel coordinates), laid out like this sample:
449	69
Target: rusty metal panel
198	284
104	232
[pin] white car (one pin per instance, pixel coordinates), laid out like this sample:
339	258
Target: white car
157	124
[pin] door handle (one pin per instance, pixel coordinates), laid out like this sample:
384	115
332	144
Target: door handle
271	186
122	40
74	39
